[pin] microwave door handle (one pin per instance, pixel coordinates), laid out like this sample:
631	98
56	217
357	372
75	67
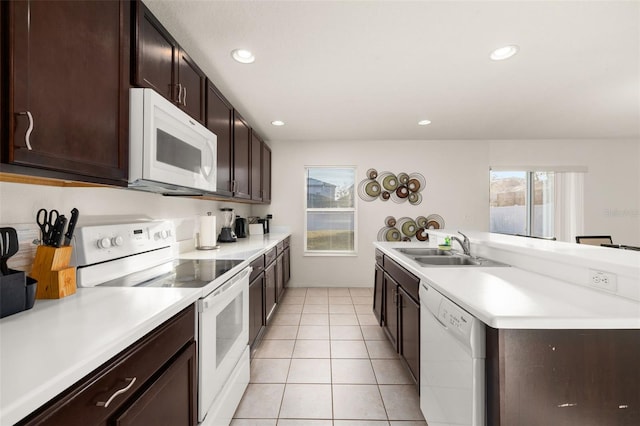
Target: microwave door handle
204	166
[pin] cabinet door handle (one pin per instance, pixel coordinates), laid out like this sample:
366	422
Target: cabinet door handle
131	381
184	97
179	93
27	135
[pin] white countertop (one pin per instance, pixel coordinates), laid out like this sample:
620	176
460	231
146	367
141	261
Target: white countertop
511	297
50	347
46	349
244	248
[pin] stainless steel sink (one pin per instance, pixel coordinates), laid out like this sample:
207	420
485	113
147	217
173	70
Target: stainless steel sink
424	251
449	260
455	260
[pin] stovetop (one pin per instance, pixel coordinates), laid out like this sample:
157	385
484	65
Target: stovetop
186	273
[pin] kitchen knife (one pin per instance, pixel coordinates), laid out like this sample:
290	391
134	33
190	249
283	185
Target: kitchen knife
56	232
72	226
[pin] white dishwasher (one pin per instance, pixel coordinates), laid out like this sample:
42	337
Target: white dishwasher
452	362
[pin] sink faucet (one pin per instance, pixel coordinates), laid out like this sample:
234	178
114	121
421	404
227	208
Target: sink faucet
466	244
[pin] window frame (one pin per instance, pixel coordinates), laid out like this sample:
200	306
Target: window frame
354	210
529	198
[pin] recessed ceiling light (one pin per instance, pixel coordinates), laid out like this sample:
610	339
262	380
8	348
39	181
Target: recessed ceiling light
277	123
424	122
243	56
504	52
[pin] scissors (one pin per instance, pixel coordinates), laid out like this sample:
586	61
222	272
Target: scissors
46	220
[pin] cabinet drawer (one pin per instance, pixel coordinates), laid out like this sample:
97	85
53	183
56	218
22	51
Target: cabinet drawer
280	247
379	257
409	282
287	241
270	256
79	404
170	399
258	268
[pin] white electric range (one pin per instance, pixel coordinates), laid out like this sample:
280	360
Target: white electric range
140	254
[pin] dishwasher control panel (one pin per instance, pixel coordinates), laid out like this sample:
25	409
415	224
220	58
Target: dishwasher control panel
454	318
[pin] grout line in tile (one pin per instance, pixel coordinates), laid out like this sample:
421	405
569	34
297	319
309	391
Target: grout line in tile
331	358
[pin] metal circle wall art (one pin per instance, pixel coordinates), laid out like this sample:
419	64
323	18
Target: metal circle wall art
388	186
407	229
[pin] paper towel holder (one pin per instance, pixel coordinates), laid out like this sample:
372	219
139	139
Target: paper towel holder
201	247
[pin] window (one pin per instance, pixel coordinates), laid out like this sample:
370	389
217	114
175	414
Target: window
330	211
522	203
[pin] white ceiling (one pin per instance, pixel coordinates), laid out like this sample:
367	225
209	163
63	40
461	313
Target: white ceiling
363	70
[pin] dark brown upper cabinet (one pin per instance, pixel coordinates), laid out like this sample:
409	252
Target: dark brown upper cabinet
241	157
161	64
266	173
220	122
256	167
66	92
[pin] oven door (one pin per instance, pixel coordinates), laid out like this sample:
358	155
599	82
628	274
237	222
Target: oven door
223	334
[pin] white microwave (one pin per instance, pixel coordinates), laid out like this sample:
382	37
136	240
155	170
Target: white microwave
169	152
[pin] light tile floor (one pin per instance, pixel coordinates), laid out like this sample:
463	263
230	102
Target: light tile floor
324	361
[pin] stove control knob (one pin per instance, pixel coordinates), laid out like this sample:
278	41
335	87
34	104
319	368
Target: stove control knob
117	241
164	234
104	243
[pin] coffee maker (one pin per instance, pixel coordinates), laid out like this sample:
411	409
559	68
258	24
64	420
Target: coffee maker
241	227
226	233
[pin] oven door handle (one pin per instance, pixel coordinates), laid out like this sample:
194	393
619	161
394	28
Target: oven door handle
209	301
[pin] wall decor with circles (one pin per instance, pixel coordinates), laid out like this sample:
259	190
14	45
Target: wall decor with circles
407	229
388	186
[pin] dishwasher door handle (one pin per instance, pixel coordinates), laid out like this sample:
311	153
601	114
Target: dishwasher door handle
437	319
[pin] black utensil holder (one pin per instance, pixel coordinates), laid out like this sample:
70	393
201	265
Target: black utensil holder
17	292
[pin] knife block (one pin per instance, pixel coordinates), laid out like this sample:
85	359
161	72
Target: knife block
56	279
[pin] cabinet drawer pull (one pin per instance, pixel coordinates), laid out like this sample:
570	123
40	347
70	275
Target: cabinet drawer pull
131	381
27	135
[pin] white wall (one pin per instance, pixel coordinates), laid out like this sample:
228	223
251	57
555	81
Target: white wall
457	174
457	179
21	202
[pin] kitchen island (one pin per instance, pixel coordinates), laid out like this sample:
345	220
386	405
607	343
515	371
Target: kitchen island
47	349
558	350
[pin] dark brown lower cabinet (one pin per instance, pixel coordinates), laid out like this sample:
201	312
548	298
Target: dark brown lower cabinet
286	265
154	381
563	377
396	305
168	400
266	289
269	291
409	312
377	293
279	277
390	322
256	314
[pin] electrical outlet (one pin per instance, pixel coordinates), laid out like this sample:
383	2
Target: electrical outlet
603	280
